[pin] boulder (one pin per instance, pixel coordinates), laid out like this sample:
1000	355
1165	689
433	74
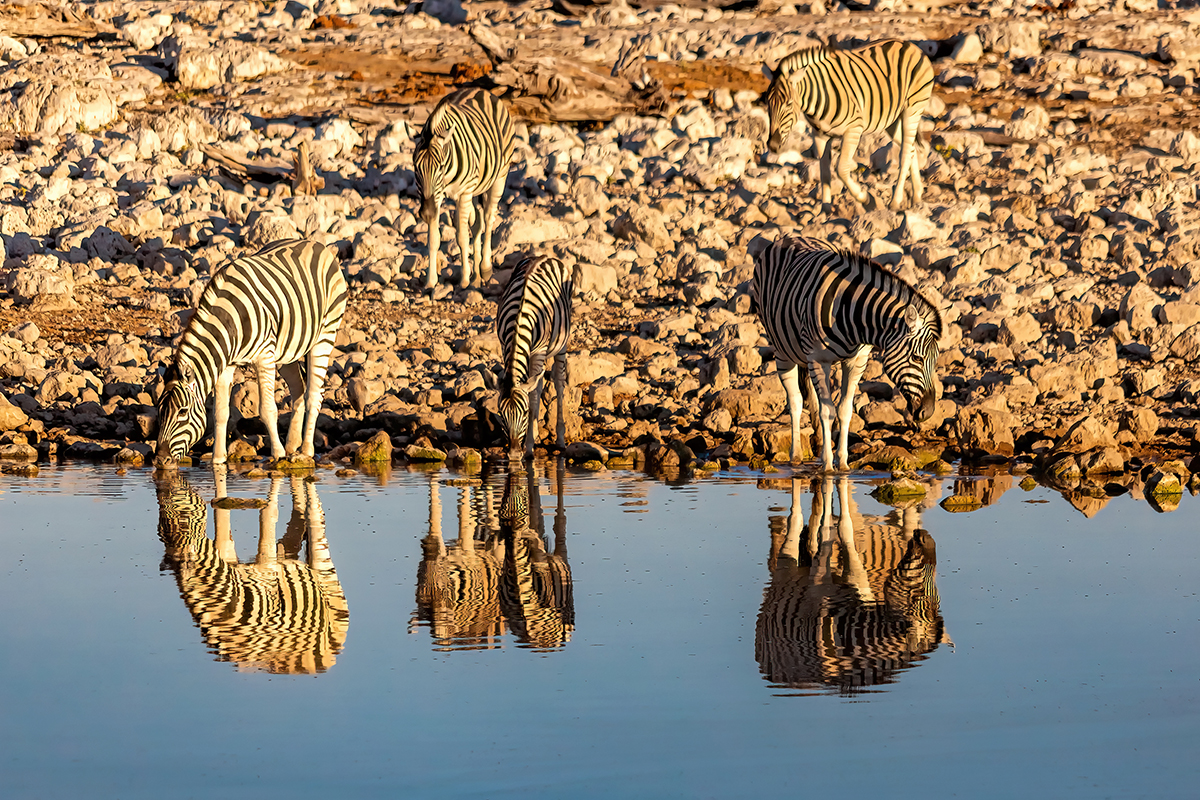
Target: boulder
11	417
644	225
377	449
985	430
1088	433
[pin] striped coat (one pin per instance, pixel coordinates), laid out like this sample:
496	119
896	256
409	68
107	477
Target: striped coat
278	615
820	307
280	308
465	151
533	322
882	86
849	605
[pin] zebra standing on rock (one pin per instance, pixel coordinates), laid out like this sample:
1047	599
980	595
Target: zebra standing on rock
272	309
533	322
820	307
880	86
465	150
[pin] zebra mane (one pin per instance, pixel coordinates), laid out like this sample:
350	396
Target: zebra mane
809	244
794	62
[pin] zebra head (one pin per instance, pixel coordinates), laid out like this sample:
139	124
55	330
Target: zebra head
181	417
514	507
427	164
783	96
514	414
910	356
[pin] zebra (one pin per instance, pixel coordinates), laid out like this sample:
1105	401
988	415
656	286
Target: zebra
533	321
465	150
820	307
282	615
499	576
884	85
847	609
271	309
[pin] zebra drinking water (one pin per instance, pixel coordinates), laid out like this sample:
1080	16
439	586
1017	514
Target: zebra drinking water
533	322
272	309
820	307
465	150
880	86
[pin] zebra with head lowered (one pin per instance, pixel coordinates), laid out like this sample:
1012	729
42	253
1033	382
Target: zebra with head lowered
820	307
465	150
534	323
880	86
272	309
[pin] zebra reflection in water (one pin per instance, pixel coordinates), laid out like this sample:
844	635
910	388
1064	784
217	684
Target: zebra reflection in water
277	613
500	575
846	608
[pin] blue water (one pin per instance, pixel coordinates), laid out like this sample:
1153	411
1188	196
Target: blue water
1072	673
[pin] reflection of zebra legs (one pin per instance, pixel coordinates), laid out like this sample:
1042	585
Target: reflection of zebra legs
278	614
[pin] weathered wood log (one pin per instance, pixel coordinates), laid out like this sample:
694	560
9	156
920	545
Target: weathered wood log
305	181
246	169
41	21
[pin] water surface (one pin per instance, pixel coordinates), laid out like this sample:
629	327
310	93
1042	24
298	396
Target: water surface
568	634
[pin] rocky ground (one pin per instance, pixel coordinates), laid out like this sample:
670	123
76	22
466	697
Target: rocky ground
1060	233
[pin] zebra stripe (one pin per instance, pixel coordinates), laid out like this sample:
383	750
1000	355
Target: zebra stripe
271	309
846	609
819	307
280	615
464	151
536	593
499	575
533	321
880	86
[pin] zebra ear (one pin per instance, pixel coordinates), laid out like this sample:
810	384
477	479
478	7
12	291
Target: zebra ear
912	317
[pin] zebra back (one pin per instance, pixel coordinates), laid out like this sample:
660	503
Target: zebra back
465	146
534	317
872	84
286	617
287	297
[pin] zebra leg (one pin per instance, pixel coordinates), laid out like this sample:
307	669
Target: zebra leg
295	380
852	371
493	204
268	519
478	214
856	573
464	214
535	411
318	364
226	548
435	244
819	374
789	376
846	162
906	128
267	410
222	386
824	147
822	546
795	525
912	130
560	388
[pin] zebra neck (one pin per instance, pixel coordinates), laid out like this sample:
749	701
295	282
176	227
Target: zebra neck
205	357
